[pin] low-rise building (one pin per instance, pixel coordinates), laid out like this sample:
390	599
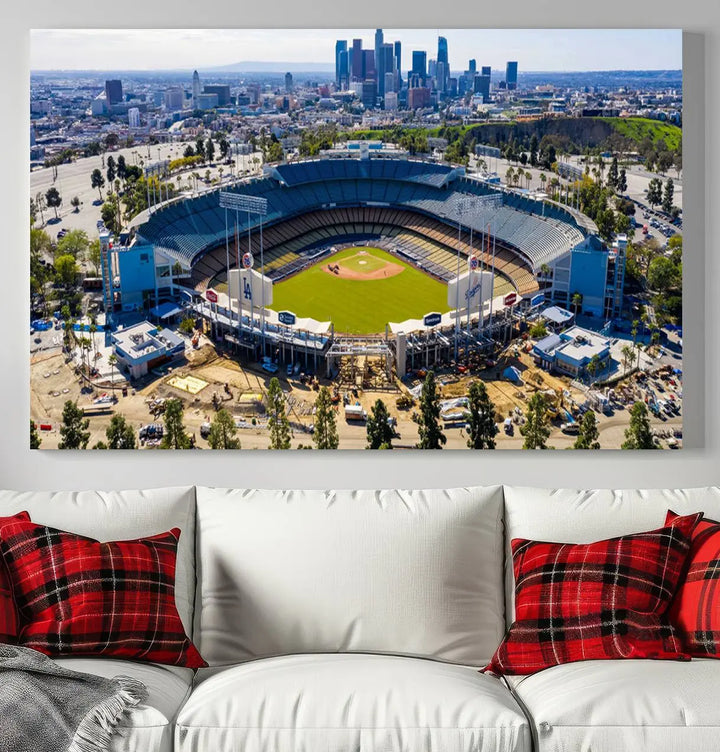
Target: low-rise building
142	347
571	351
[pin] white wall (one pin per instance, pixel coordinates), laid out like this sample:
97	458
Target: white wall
696	465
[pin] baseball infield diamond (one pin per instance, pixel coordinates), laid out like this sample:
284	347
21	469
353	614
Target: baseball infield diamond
360	298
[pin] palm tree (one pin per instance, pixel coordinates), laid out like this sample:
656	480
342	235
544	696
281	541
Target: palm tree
628	354
577	300
528	178
112	360
543	178
509	175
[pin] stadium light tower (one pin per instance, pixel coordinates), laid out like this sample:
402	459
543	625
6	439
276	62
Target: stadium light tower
463	206
253	205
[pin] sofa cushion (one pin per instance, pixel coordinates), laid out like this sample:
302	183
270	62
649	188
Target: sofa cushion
120	515
9	621
695	610
403	572
583	516
609	706
148	727
602	600
76	596
343	703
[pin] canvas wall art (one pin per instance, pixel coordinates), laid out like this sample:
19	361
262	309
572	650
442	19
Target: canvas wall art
356	239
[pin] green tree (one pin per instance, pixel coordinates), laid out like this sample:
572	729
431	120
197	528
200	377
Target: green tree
223	431
120	434
593	366
111	169
628	356
200	148
93	254
75	203
613	173
431	435
536	429
538	330
278	422
325	435
53	199
668	195
481	420
174	436
224	148
97	181
73	431
654	192
379	431
66	269
187	326
75	243
622	181
121	168
577	301
534	150
110	213
210	150
112	362
638	435
663	274
589	434
35	439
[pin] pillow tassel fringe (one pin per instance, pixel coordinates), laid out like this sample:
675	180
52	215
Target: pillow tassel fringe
96	730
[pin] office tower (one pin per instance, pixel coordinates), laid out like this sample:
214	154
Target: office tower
387	68
398	65
340	74
368	93
344	69
485	70
481	85
134	117
222	91
113	91
379	61
174	98
419	65
442	60
389	83
196	89
288	82
418	97
356	61
511	75
472	66
368	68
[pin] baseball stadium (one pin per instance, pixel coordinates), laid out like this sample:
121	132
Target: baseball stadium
362	253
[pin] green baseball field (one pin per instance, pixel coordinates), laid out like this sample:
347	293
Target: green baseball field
360	290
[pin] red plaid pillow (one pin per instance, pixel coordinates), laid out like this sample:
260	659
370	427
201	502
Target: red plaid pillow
8	612
77	596
695	610
594	601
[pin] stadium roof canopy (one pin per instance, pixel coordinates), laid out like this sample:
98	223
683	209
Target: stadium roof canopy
541	232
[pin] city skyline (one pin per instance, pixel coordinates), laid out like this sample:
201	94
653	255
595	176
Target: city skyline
205	49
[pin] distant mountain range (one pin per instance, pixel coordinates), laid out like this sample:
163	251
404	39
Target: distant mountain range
252	66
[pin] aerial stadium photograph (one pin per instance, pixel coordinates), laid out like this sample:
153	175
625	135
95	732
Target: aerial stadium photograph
356	239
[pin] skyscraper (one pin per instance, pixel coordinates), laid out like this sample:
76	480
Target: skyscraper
398	66
196	90
419	64
356	61
387	66
511	75
443	66
486	70
341	63
113	91
288	82
380	61
481	85
368	68
472	66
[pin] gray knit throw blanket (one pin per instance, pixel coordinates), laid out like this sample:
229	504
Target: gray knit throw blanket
47	708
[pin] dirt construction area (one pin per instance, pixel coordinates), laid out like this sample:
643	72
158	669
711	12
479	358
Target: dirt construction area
241	389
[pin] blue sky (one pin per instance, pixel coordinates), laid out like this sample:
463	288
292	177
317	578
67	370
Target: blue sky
534	49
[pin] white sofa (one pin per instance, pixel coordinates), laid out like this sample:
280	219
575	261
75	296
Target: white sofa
356	621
